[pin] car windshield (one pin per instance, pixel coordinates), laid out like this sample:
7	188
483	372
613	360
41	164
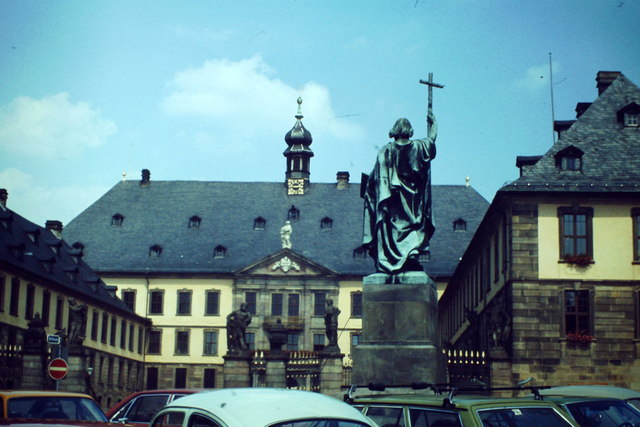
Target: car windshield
55	407
320	423
604	413
521	417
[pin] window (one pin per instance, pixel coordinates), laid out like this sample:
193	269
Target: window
575	233
105	328
155	251
212	304
194	221
276	304
152	378
326	223
156	302
424	256
31	296
114	324
631	119
46	307
569	159
629	115
259	223
140	339
635	215
355	339
360	253
209	378
250	300
318	342
293	214
293	308
293	341
2	293
14	299
117	220
129	298
181	378
251	340
184	303
356	304
182	342
131	332
219	251
155	342
577	314
459	225
319	299
636	306
123	334
210	343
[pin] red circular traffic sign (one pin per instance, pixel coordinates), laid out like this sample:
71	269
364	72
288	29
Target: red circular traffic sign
58	369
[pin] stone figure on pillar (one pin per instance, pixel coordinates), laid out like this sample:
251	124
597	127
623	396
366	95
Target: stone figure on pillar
331	314
35	338
237	322
398	221
285	235
77	322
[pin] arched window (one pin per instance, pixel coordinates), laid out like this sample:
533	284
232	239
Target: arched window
293	213
326	223
219	251
117	220
459	225
569	159
360	253
259	223
194	221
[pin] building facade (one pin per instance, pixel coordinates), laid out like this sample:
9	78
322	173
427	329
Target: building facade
185	254
549	286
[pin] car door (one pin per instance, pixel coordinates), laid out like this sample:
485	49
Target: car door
143	408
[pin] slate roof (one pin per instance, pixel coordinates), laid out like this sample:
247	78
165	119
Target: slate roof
158	214
27	257
611	159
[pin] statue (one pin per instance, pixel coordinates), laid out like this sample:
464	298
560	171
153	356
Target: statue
237	322
285	235
77	321
398	221
35	338
331	314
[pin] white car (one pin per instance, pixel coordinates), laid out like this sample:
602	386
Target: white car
259	407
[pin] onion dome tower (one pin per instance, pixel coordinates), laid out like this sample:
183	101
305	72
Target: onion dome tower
298	156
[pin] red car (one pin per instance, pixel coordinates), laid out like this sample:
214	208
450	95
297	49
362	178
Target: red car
138	408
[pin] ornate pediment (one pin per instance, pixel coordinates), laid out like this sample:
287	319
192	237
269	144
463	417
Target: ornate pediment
288	263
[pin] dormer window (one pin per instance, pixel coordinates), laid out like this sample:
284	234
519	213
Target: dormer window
293	213
194	221
326	223
629	116
459	225
569	159
155	251
259	223
33	236
360	253
219	251
424	256
117	220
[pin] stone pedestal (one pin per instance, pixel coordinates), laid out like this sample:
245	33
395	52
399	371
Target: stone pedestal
237	369
275	375
331	374
76	379
398	330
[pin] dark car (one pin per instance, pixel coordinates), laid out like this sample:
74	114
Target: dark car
631	396
138	408
599	412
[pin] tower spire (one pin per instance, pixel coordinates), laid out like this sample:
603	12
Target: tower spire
298	155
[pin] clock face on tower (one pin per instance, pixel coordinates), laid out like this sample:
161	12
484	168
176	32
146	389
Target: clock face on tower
295	186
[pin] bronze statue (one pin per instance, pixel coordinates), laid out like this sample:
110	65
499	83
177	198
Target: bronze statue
398	220
237	322
331	314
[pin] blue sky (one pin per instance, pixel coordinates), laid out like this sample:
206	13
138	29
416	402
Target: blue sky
206	90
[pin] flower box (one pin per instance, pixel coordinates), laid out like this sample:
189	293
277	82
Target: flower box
579	260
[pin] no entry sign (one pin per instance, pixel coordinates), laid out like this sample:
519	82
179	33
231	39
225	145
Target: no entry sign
58	369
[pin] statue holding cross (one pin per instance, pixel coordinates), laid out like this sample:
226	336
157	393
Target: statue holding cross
398	221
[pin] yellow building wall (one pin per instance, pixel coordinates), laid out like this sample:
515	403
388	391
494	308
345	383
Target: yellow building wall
612	244
347	325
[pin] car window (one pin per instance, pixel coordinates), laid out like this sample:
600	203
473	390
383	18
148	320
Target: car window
169	419
49	407
197	420
320	423
521	417
432	418
635	402
604	413
145	407
386	416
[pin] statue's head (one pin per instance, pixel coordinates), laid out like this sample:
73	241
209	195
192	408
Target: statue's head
401	130
329	302
243	306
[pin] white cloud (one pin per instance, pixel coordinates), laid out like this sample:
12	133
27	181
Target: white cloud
244	99
537	77
39	203
51	126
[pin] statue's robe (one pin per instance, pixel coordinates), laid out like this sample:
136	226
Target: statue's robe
398	222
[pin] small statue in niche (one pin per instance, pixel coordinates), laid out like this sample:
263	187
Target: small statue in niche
77	321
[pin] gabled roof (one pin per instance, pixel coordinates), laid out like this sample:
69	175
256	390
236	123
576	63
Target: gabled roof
36	254
159	214
611	152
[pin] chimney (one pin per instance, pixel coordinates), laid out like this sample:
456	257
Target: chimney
146	178
581	107
4	195
604	79
55	227
343	180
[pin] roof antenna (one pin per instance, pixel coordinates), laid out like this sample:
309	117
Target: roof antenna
553	113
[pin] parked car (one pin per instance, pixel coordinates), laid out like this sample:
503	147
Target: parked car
598	411
429	410
627	394
138	408
259	407
30	407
